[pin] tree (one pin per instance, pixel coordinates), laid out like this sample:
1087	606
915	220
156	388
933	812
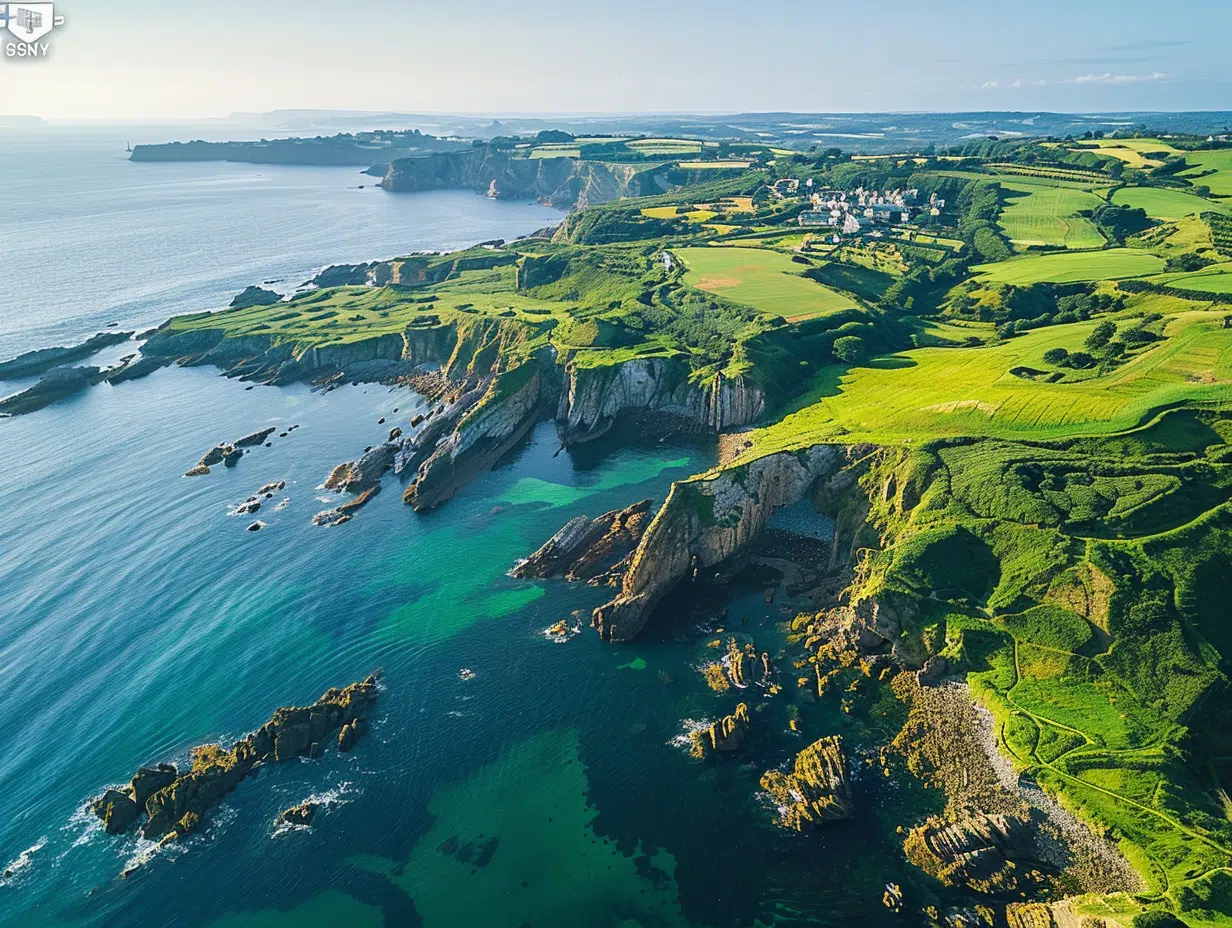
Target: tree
1056	356
849	348
1156	920
1101	335
1080	359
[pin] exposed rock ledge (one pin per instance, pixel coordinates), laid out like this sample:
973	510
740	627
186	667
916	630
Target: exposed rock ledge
592	550
176	804
706	520
817	790
44	359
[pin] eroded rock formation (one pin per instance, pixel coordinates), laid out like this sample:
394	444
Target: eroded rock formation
976	851
817	790
177	803
590	549
705	521
726	734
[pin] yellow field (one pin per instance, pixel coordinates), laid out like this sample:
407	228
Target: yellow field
1131	151
704	165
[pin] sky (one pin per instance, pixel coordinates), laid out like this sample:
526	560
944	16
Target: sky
176	60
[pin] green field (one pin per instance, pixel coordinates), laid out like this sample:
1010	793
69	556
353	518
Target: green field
1109	264
932	392
766	280
1220	161
1038	214
1166	203
1215	279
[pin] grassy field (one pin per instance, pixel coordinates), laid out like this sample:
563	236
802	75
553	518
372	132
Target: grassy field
1213	279
1166	203
1110	264
1219	161
1038	214
766	280
932	392
665	146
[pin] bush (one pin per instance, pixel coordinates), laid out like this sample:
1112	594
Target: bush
1157	920
849	348
1055	356
1101	336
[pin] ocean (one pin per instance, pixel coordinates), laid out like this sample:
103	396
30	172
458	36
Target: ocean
549	786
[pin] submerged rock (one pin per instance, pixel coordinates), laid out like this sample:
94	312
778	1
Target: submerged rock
817	790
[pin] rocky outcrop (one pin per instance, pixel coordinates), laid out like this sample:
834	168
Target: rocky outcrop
340	515
357	476
726	734
254	296
595	398
705	521
978	851
566	183
56	384
119	808
588	549
176	804
300	815
43	360
491	427
817	790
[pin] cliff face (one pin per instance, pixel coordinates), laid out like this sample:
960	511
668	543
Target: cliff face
487	431
705	521
565	183
594	398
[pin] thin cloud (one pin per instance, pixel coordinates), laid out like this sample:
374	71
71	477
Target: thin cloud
1109	78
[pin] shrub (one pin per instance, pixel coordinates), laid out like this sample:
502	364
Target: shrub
849	348
1101	335
1055	356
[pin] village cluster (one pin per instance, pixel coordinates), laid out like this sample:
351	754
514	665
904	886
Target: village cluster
853	212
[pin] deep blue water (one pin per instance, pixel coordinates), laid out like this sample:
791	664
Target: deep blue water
138	619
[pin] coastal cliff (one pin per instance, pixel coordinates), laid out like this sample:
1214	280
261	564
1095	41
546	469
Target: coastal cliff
487	431
594	398
706	520
565	183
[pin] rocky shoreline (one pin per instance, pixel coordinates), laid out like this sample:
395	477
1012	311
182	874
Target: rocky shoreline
175	803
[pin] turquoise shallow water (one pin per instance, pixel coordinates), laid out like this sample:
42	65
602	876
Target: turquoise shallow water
138	619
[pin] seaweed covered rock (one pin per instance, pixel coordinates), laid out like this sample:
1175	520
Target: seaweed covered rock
120	807
177	804
724	735
302	814
817	790
978	851
589	549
